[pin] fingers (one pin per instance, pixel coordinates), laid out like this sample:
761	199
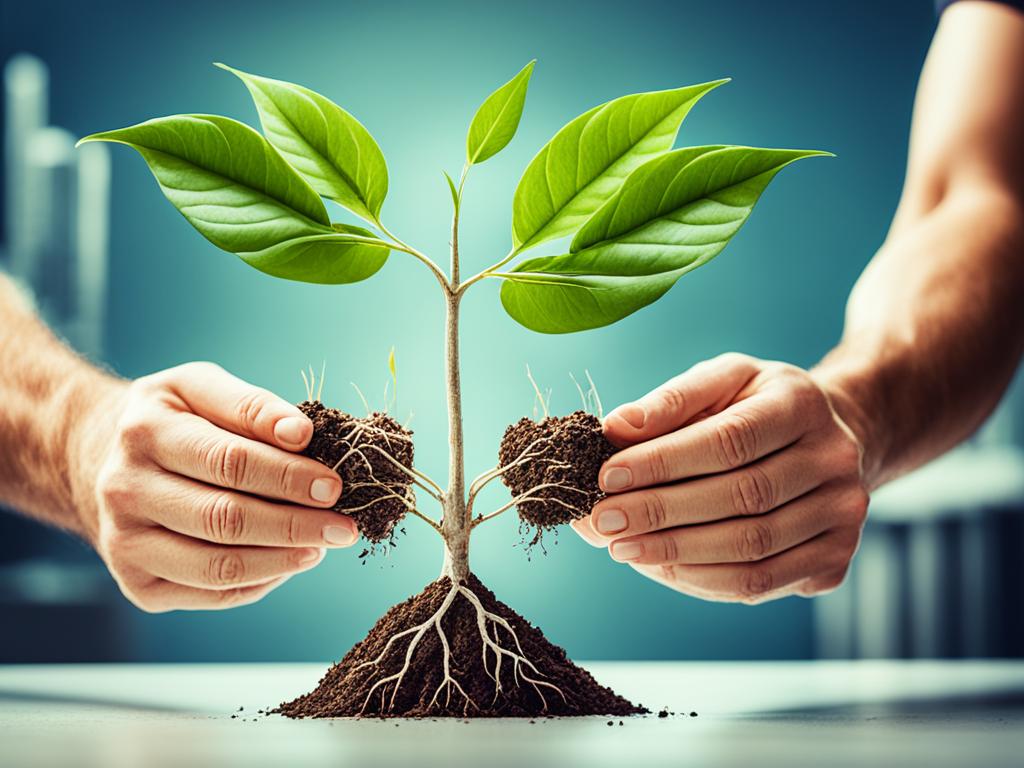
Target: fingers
737	540
237	406
824	558
739	435
161	596
707	387
193	563
751	490
224	517
189	445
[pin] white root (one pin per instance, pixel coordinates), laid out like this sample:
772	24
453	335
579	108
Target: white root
523	670
528	495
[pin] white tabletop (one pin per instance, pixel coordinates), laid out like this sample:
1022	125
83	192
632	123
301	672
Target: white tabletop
751	715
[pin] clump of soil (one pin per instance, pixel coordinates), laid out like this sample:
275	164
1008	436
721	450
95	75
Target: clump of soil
567	453
347	690
366	453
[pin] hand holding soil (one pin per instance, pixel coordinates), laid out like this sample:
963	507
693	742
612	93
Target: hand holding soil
737	481
202	500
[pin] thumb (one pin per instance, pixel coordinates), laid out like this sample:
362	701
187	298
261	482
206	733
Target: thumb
707	387
237	406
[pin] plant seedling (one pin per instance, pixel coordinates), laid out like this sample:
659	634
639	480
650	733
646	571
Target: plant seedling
640	215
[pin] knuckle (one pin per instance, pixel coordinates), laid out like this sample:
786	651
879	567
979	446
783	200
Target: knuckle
755	541
250	408
292	529
755	584
654	510
658	466
754	491
288	481
225	569
136	433
672	400
226	462
735	359
669	549
858	504
224	519
847	457
114	490
736	440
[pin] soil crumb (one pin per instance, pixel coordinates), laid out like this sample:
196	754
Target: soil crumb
347	689
375	491
567	453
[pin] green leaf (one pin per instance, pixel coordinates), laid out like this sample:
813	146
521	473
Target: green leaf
324	143
671	215
348	256
454	191
587	161
497	119
239	193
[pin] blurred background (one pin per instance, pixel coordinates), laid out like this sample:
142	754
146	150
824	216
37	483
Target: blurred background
118	272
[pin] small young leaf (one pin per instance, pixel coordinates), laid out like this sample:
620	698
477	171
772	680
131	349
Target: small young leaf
454	191
586	162
324	143
673	214
497	119
238	192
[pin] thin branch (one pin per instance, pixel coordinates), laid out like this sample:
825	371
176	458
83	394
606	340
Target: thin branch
489	271
399	245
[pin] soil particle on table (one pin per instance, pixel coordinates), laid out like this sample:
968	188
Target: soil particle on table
345	689
569	452
372	486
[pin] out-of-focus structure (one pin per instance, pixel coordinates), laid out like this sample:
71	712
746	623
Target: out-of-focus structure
56	221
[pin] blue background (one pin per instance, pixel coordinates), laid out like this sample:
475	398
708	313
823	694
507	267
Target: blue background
835	76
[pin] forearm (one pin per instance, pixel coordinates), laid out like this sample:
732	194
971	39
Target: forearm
934	331
45	391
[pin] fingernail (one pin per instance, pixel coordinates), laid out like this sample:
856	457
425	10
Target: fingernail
339	535
610	521
308	556
626	550
291	430
324	489
617	479
633	414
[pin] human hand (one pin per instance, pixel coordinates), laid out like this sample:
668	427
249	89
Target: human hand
738	481
200	500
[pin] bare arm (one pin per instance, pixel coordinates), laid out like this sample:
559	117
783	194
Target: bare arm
935	325
45	391
747	480
187	482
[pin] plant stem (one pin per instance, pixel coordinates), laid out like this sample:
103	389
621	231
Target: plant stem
455	525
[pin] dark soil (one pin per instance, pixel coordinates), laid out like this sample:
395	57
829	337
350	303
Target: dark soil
344	690
570	451
370	482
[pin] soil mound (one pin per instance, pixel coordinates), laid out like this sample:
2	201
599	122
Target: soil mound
567	452
368	454
441	629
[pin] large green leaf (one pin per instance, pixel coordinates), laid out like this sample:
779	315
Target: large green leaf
324	143
239	193
349	255
671	215
497	119
587	161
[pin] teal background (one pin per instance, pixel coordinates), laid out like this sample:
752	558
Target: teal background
835	76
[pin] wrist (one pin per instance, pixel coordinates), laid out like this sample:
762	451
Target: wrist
91	404
851	393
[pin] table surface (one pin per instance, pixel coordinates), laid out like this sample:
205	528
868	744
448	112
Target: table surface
887	713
